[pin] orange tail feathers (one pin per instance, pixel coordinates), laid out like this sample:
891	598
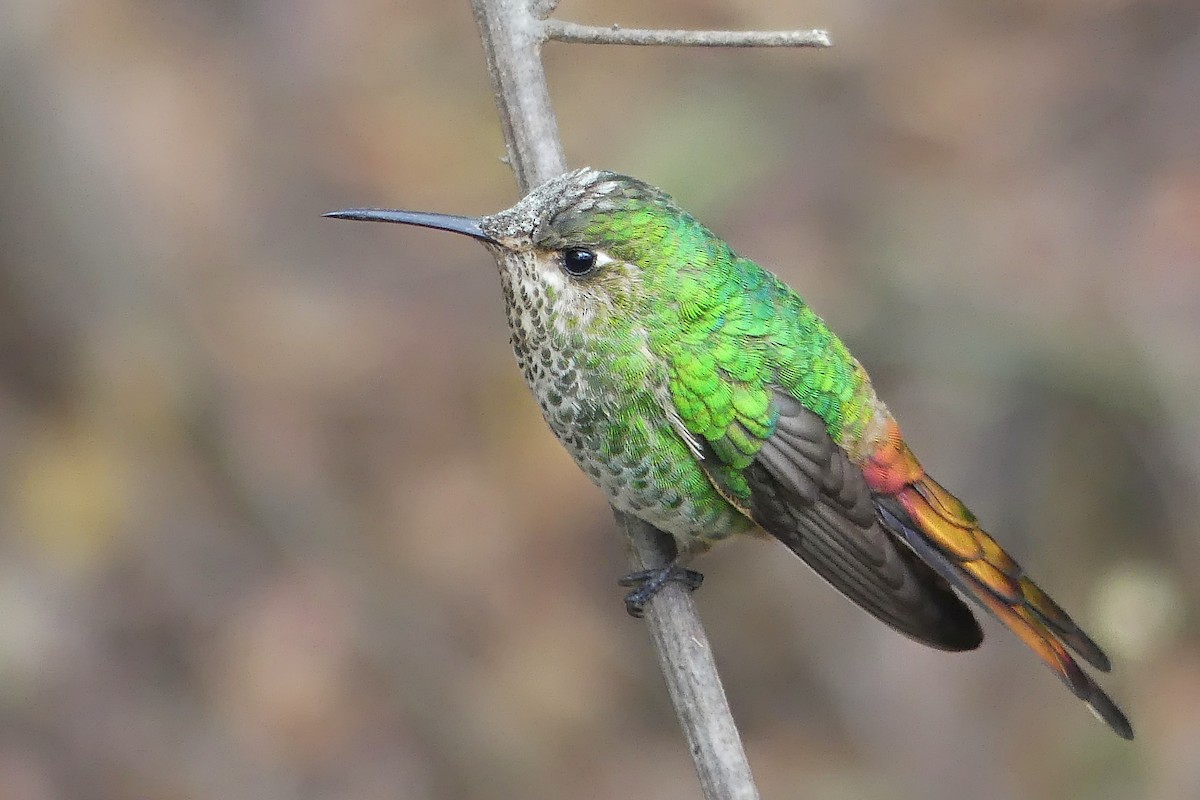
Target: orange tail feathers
943	532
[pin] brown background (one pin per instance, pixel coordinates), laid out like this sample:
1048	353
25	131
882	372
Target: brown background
279	519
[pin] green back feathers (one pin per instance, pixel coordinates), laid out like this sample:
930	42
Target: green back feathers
725	329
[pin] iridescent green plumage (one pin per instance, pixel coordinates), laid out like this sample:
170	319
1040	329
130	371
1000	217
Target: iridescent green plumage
704	396
724	330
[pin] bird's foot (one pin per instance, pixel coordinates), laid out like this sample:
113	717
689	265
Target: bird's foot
649	582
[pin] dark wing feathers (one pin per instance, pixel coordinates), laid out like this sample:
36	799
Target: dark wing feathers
806	493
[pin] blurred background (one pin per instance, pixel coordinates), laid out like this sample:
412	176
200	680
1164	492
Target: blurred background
280	520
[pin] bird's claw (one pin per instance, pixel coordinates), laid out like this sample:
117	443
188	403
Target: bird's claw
649	582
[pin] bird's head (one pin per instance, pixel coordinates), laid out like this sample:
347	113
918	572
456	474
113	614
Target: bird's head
595	242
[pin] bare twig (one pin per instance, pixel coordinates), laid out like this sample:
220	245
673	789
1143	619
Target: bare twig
687	665
512	44
561	31
513	32
511	41
684	655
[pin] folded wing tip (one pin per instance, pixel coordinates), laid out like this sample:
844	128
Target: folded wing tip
958	629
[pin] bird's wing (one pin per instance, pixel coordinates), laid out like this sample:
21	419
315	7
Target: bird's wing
741	336
799	486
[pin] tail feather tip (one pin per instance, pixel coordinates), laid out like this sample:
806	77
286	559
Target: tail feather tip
1105	710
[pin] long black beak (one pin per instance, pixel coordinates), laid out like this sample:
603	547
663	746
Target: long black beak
468	226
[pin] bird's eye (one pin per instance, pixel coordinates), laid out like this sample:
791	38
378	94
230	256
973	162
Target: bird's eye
578	261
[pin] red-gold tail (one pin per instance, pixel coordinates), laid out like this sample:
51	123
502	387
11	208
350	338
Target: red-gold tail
945	534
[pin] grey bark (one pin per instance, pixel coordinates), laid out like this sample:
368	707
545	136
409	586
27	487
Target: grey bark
561	31
513	32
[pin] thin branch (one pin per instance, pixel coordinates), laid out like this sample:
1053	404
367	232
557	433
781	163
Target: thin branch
512	41
512	45
687	665
561	31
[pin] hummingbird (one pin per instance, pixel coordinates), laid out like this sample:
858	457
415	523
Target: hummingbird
703	395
